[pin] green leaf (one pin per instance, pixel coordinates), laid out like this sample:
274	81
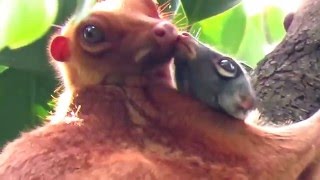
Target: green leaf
34	56
199	10
40	111
180	19
273	20
234	33
224	31
82	9
3	68
233	30
27	86
251	49
25	21
65	10
20	93
171	7
4	19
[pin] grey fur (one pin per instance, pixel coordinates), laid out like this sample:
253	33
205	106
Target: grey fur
199	77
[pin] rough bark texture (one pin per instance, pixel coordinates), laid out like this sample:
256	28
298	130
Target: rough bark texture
287	80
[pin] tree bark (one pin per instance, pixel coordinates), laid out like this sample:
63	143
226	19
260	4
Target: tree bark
287	80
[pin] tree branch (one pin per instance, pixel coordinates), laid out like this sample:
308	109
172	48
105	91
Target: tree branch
287	80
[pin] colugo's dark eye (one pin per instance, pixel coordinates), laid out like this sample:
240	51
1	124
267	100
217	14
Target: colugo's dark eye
226	67
93	34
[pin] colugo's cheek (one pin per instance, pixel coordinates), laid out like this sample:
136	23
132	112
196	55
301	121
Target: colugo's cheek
59	48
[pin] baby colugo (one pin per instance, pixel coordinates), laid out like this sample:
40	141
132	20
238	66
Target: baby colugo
213	78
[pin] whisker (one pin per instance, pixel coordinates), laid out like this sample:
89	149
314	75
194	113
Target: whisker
180	20
167	15
197	35
164	6
184	27
56	26
58	89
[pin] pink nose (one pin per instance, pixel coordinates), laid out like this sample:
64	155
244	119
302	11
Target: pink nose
247	102
165	33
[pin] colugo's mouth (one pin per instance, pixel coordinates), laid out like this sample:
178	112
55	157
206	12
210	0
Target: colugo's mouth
156	67
164	40
149	70
161	75
151	57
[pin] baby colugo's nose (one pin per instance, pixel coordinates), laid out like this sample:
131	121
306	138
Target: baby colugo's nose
247	102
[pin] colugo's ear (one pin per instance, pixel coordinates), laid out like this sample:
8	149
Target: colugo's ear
59	48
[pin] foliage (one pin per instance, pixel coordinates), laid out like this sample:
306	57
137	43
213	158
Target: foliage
37	17
27	81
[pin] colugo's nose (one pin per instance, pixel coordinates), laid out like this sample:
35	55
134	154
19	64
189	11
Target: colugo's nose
165	33
247	102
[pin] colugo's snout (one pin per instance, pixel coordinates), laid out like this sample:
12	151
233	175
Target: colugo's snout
165	33
247	101
164	36
215	79
237	96
160	43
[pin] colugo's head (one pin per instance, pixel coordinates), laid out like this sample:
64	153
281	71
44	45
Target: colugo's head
117	38
213	78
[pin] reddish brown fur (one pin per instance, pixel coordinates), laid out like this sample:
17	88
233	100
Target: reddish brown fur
143	129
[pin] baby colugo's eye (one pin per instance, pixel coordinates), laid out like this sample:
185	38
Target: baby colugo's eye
226	68
93	34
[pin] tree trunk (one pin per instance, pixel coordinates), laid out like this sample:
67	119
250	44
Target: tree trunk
287	80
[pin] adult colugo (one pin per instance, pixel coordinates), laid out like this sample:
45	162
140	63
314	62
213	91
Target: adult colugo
121	117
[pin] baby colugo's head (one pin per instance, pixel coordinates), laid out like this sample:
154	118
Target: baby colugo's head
215	79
